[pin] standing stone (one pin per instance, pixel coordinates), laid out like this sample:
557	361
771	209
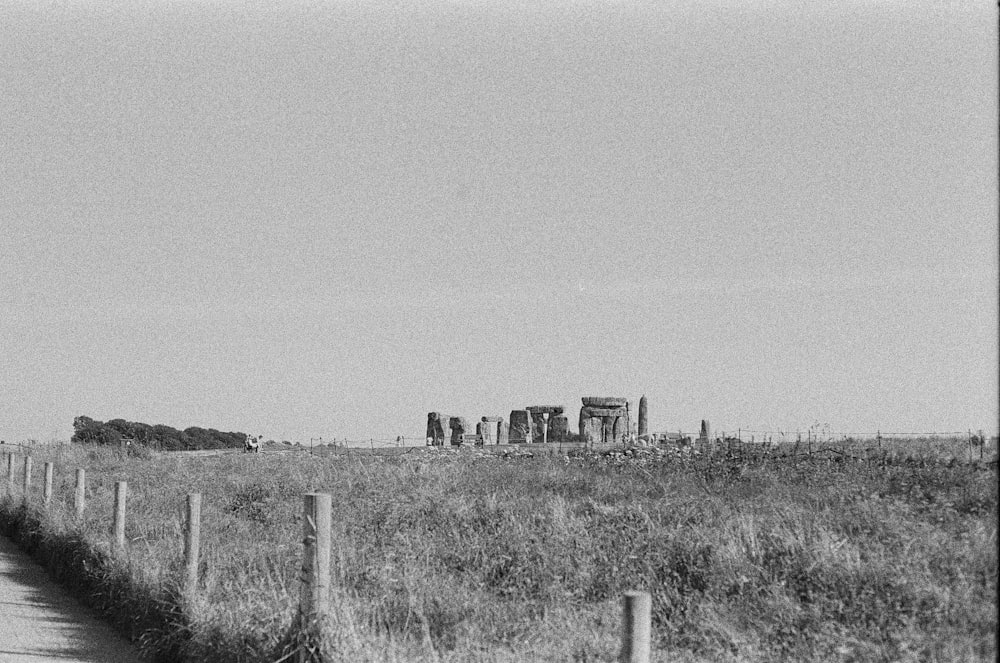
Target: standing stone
706	431
643	417
558	428
608	429
459	427
437	428
592	429
485	432
520	426
619	431
497	429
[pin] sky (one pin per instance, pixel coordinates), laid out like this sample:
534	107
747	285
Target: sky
331	218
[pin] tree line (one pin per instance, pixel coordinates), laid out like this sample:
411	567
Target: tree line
158	436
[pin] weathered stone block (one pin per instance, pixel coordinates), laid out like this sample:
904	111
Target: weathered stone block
548	409
591	428
602	411
608	429
619	429
485	431
520	426
604	401
459	427
558	428
643	417
503	432
437	427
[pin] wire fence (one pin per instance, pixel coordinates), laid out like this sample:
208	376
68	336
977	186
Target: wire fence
838	434
742	434
814	434
411	440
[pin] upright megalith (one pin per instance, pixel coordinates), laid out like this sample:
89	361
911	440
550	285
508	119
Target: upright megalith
706	431
484	433
643	418
520	426
558	428
459	427
604	419
591	428
494	429
503	432
437	428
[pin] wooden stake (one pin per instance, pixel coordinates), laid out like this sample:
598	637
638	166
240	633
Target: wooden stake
314	599
47	491
27	476
192	542
81	488
121	487
10	475
636	627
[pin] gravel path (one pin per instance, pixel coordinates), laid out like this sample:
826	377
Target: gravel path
40	622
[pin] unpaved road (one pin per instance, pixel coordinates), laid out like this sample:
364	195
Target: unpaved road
40	622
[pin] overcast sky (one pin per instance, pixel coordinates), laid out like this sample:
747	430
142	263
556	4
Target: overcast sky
305	219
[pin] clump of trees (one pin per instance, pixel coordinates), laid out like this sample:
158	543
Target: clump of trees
87	430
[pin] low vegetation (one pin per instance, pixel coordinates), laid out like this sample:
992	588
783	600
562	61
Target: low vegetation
458	556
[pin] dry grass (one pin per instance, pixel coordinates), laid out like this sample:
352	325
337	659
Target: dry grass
456	557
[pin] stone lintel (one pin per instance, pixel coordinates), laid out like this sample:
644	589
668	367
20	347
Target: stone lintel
602	412
546	409
604	401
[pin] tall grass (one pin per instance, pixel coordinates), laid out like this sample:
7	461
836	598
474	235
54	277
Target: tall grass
459	557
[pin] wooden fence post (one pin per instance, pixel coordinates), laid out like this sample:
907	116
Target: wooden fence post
192	542
314	599
47	491
121	488
80	495
10	475
27	476
636	627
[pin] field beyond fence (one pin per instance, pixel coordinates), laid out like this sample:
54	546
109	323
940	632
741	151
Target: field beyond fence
846	550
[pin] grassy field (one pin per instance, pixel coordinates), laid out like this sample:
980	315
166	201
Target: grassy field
843	555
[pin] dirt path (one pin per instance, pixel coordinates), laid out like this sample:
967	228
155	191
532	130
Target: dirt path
39	622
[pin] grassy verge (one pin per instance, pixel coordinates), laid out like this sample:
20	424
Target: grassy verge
458	557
